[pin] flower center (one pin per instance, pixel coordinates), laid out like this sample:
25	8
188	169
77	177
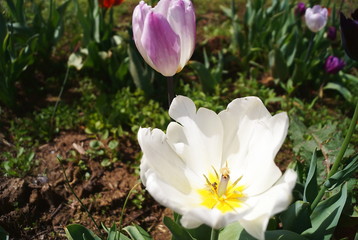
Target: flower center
221	193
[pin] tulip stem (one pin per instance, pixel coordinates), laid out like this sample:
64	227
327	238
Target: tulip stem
170	82
214	234
339	157
310	45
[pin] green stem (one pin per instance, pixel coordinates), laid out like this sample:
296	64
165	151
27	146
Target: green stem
59	98
78	199
339	157
170	83
125	204
214	234
310	45
345	142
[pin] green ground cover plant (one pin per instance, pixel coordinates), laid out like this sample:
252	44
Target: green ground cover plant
75	67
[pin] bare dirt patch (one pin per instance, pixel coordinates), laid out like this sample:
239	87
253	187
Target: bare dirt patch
41	205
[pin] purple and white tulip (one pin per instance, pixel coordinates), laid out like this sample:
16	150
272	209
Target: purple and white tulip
316	18
165	34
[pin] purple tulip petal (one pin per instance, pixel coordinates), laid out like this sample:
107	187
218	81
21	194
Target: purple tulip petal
139	15
161	43
181	17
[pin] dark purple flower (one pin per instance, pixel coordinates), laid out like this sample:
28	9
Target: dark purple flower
333	64
349	30
300	9
331	33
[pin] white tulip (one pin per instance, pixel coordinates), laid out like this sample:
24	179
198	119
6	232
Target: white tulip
216	169
316	18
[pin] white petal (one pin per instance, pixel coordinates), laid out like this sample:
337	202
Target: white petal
159	157
264	206
162	7
214	218
251	141
199	137
165	194
181	17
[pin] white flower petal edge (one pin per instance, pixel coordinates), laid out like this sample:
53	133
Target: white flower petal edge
241	141
252	138
271	202
197	136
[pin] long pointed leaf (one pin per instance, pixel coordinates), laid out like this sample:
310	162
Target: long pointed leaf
311	187
326	215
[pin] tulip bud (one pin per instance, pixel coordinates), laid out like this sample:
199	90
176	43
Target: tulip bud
333	65
316	18
165	34
300	9
109	3
349	30
331	33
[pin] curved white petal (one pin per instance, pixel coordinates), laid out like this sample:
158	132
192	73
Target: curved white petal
159	157
264	206
181	17
252	138
214	218
199	137
165	194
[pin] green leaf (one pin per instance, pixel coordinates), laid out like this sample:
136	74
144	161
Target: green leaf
95	144
278	65
232	231
3	234
325	216
246	236
178	232
297	217
122	237
79	232
326	138
311	187
343	175
202	232
206	79
113	144
341	89
283	235
106	162
141	73
137	233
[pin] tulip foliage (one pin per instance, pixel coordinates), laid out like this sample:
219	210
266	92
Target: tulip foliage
257	82
293	43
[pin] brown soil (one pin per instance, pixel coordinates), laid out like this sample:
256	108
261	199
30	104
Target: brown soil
41	205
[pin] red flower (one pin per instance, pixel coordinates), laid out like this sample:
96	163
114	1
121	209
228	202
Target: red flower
109	3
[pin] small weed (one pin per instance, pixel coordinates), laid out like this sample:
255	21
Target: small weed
17	162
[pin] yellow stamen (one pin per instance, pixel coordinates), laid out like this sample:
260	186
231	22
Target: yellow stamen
221	193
